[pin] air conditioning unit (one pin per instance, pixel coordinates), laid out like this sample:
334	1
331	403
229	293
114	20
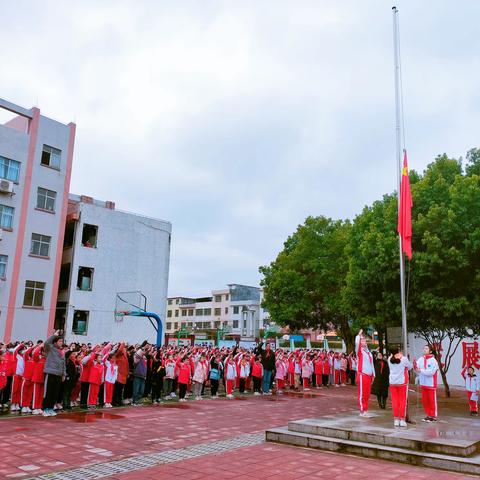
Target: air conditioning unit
6	186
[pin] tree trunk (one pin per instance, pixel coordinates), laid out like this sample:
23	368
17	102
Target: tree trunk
445	383
346	334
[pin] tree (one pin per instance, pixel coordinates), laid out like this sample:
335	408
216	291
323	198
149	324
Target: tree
303	286
444	274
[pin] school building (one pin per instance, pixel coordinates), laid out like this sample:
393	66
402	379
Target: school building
63	257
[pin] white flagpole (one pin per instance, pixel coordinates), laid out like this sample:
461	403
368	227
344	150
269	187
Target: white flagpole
396	51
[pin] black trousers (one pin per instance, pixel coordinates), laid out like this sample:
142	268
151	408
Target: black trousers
243	381
213	387
117	394
182	390
84	386
353	374
325	380
53	384
5	393
157	389
257	383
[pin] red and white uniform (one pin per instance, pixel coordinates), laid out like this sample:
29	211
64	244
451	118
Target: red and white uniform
38	378
26	391
398	380
365	374
428	374
18	373
472	387
280	373
230	376
307	370
95	379
111	374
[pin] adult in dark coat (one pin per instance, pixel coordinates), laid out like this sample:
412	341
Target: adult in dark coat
380	384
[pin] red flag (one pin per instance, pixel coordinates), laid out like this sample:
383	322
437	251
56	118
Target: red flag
405	211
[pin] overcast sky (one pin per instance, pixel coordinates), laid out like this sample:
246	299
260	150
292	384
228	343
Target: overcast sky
235	120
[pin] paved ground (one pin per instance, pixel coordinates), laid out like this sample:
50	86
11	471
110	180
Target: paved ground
206	439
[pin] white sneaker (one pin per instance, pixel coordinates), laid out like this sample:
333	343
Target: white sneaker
396	423
229	395
305	389
53	413
257	393
46	413
24	410
402	423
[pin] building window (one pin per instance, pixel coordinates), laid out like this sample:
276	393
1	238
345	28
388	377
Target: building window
184	313
218	311
80	322
236	310
176	325
176	313
89	235
198	325
207	311
217	324
226	310
34	292
190	312
169	314
85	279
9	169
51	157
235	324
169	325
206	325
64	281
199	312
226	297
40	245
6	216
218	298
169	301
3	266
46	199
177	301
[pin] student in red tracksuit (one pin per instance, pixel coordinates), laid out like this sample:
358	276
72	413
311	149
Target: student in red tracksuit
26	391
325	370
10	365
17	377
318	366
291	371
184	375
398	379
230	375
365	373
3	373
38	379
84	377
111	373
95	379
257	375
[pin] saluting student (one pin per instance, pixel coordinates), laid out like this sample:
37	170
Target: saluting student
427	370
365	373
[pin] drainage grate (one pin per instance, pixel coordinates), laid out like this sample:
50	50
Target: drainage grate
141	462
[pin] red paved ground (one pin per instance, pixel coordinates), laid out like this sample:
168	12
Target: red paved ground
41	445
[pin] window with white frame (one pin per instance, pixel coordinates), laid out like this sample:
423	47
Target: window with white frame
51	157
40	245
6	216
46	199
3	266
9	169
34	292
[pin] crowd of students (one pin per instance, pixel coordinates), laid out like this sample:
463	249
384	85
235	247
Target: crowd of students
48	376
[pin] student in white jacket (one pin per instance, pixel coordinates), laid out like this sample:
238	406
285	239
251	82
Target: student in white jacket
427	369
398	379
472	387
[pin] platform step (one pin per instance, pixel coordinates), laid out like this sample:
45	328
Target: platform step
381	435
466	465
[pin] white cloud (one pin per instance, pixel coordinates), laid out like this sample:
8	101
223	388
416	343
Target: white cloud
239	119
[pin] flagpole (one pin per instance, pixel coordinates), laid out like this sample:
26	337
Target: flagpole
396	50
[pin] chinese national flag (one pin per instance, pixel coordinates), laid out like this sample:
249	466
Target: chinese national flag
405	211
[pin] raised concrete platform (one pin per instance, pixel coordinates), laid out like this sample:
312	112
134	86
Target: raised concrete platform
453	443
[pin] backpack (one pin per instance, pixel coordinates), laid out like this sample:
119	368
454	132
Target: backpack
214	374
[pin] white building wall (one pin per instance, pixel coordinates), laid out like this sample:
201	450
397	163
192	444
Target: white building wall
133	253
464	355
31	323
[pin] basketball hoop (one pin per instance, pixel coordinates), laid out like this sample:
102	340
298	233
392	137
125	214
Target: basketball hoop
119	316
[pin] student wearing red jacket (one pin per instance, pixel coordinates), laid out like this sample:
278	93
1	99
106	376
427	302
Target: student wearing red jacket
38	379
9	372
257	375
184	374
17	377
95	379
3	373
366	373
318	366
325	370
26	391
